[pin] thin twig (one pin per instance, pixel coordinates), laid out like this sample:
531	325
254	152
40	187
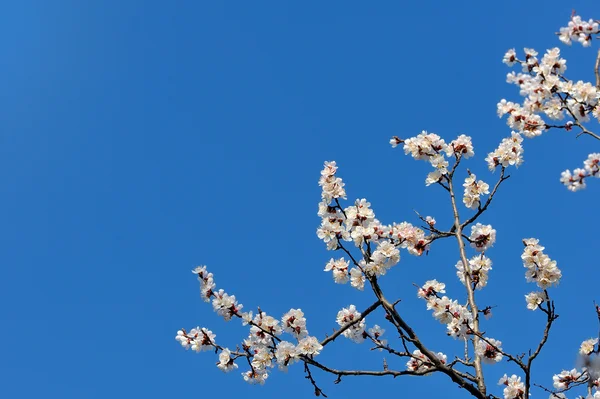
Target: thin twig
318	391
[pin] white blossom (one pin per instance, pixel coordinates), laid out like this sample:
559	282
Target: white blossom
226	363
293	322
587	346
285	355
540	268
340	270
482	237
514	388
489	350
356	331
309	346
565	378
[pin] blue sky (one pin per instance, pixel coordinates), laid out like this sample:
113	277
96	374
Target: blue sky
140	140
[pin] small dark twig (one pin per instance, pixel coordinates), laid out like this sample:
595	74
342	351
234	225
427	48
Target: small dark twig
318	391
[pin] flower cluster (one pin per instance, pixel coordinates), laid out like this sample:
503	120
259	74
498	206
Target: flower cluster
198	339
579	31
420	363
461	146
294	323
547	91
565	378
207	283
479	267
356	332
409	237
457	318
225	305
339	267
473	191
482	237
515	389
430	289
575	180
540	268
509	153
383	258
333	187
226	362
432	148
489	350
357	224
263	347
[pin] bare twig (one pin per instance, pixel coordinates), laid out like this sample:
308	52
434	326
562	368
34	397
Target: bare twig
374	373
318	391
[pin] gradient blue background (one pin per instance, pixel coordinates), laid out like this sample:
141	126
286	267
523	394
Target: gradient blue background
141	138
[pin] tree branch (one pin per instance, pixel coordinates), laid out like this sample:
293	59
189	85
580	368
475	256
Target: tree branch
408	333
469	287
597	69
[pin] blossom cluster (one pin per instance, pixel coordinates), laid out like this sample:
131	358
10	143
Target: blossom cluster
474	189
356	332
514	387
566	378
420	363
579	31
263	347
547	92
198	339
540	268
575	180
482	237
509	153
432	148
490	350
333	187
357	224
479	267
458	318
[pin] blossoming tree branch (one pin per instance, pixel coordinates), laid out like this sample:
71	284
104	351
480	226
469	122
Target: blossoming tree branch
367	249
549	92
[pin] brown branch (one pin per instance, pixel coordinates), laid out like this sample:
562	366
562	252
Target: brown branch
374	373
390	350
407	333
597	69
470	291
551	317
576	121
318	391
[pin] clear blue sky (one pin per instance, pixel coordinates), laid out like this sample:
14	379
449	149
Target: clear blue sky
140	139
